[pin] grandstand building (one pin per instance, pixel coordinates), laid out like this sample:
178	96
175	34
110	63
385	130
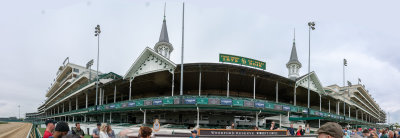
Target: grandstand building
214	95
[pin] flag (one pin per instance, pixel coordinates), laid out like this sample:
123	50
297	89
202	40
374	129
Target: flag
344	62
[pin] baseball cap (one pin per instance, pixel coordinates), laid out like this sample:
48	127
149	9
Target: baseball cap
62	127
194	131
332	129
50	121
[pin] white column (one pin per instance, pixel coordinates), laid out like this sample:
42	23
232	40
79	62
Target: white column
130	87
110	118
257	113
198	118
173	80
280	120
200	83
115	93
73	118
227	86
70	107
76	102
357	114
319	120
338	108
344	108
329	103
97	95
144	117
85	118
254	87
294	95
276	91
86	96
349	112
362	116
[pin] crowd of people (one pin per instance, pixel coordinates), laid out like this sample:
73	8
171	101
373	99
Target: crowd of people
62	130
331	129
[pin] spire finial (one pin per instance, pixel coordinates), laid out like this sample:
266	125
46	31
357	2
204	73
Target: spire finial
165	6
294	34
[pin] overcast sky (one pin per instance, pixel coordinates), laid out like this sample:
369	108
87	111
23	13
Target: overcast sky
36	36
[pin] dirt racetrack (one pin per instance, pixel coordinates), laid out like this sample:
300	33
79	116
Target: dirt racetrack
14	130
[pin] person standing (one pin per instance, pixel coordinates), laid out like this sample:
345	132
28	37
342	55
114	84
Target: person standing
60	130
110	132
78	131
273	127
50	125
194	134
300	131
96	131
308	129
291	130
103	131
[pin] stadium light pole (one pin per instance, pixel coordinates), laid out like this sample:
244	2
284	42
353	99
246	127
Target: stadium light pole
97	34
19	111
311	26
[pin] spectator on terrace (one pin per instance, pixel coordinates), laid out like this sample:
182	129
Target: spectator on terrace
291	130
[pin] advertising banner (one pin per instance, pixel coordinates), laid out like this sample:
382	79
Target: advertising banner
139	103
190	101
248	103
202	100
157	102
177	101
242	61
148	102
131	104
278	107
168	101
294	109
124	105
286	108
226	101
259	104
269	105
237	102
112	106
239	133
213	101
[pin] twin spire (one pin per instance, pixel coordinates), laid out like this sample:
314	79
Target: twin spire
164	32
163	46
294	64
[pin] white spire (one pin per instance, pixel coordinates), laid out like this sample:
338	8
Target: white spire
163	46
293	65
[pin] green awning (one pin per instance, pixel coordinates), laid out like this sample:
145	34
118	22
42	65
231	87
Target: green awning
304	118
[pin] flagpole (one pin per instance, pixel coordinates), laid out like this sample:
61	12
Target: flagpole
183	27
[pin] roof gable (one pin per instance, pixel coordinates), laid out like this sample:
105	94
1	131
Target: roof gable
149	61
315	84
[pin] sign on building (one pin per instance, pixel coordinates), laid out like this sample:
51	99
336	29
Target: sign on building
242	61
